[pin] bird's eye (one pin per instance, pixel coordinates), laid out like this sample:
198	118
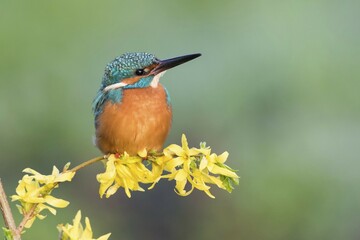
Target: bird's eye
139	72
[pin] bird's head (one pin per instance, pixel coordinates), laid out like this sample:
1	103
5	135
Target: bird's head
138	70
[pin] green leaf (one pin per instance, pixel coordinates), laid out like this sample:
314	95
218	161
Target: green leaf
7	234
229	182
194	163
203	145
226	166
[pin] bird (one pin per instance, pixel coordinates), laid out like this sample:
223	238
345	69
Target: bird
132	110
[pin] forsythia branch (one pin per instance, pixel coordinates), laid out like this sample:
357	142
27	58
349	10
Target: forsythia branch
191	168
7	214
32	197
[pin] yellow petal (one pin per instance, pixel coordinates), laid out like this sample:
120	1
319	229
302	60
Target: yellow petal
174	149
111	190
107	178
162	160
87	233
193	152
180	188
104	188
104	237
15	198
209	193
65	231
222	158
41	217
130	159
30	222
186	166
32	199
154	183
123	170
203	163
31	171
212	158
111	157
56	202
214	180
156	171
205	151
181	175
76	229
170	176
66	176
42	207
198	182
184	143
174	163
55	171
127	190
215	169
20	209
139	172
20	189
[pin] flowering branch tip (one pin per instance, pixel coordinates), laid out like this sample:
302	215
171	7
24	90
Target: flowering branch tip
34	194
190	168
77	231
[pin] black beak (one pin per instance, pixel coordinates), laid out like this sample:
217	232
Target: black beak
173	62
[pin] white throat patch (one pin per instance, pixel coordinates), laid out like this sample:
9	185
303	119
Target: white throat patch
114	86
155	82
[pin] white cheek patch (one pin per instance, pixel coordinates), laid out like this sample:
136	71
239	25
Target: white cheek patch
114	86
155	82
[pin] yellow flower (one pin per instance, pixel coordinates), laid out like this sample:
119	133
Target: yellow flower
127	172
35	189
194	166
77	231
190	167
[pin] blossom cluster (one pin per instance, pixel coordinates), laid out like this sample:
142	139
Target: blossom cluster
77	231
190	168
33	193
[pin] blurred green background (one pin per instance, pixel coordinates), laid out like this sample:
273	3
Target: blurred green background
277	86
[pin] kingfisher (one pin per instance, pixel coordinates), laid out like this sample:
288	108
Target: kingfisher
132	109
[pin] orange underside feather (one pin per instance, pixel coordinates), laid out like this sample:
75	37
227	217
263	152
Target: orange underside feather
142	120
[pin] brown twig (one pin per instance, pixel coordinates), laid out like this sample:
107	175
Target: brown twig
89	162
29	215
7	214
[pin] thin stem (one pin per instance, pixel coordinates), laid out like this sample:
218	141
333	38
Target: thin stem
87	163
29	215
7	214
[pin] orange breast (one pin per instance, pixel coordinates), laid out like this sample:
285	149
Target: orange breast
141	120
